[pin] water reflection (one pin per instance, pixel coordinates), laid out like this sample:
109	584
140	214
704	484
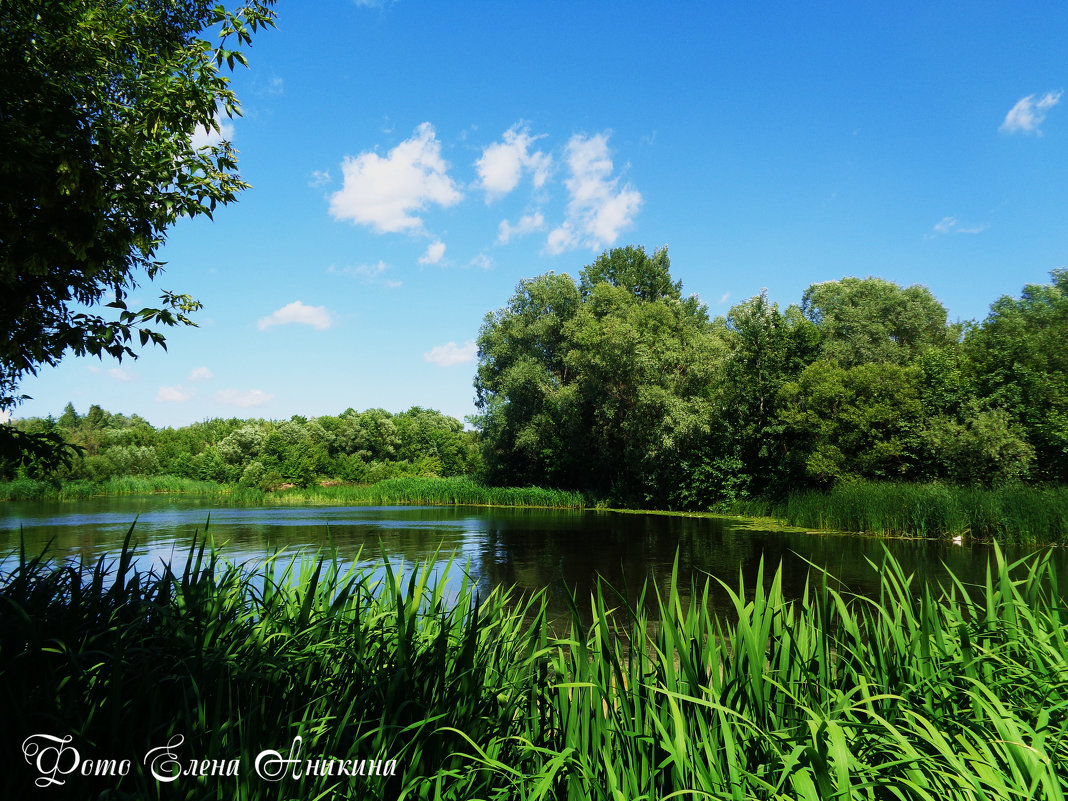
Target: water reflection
531	549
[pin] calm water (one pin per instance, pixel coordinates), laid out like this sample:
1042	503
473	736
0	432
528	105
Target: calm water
538	549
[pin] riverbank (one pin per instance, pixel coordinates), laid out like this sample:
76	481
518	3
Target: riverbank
405	490
1014	514
407	694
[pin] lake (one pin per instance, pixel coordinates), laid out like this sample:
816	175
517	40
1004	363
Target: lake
531	549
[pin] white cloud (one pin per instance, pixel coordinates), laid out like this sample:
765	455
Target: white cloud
1028	114
319	178
360	270
120	375
5	415
208	137
482	261
367	273
449	354
175	394
434	253
244	398
950	225
725	297
296	312
598	209
383	192
201	374
528	223
502	164
945	225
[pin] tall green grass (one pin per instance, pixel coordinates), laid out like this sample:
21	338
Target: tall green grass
1016	514
915	694
405	490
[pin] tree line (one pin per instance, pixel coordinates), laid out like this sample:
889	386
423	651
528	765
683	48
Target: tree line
620	386
355	447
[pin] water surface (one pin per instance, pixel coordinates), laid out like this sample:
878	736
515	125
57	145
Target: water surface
556	551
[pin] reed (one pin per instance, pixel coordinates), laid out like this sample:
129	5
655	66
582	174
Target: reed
1014	514
454	491
959	693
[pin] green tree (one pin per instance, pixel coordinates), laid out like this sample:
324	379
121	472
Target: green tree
766	348
855	422
99	104
865	320
1020	362
603	386
522	386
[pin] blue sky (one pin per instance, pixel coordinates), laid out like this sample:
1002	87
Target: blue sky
412	161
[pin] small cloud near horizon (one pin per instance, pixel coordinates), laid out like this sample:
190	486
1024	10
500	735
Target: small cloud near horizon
175	394
245	399
201	374
451	354
296	312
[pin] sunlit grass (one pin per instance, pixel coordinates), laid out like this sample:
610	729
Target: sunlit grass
405	490
913	694
1016	514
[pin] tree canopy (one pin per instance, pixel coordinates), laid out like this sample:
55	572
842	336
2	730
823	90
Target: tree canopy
99	106
618	385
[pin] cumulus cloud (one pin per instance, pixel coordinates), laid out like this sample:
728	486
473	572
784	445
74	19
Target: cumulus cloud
245	398
1028	114
450	353
319	178
384	192
201	374
598	208
120	375
434	253
528	223
175	394
209	137
503	163
296	312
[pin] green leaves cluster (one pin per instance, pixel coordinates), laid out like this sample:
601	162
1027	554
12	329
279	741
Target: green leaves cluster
99	105
354	446
596	384
619	386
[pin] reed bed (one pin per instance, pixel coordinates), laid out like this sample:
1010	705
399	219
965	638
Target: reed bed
431	491
959	693
1013	515
421	490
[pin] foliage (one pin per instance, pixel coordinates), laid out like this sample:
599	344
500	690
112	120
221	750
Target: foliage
601	386
864	320
618	386
98	109
1020	364
354	446
912	694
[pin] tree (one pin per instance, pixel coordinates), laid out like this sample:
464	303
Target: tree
99	105
1021	365
601	386
865	320
767	347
